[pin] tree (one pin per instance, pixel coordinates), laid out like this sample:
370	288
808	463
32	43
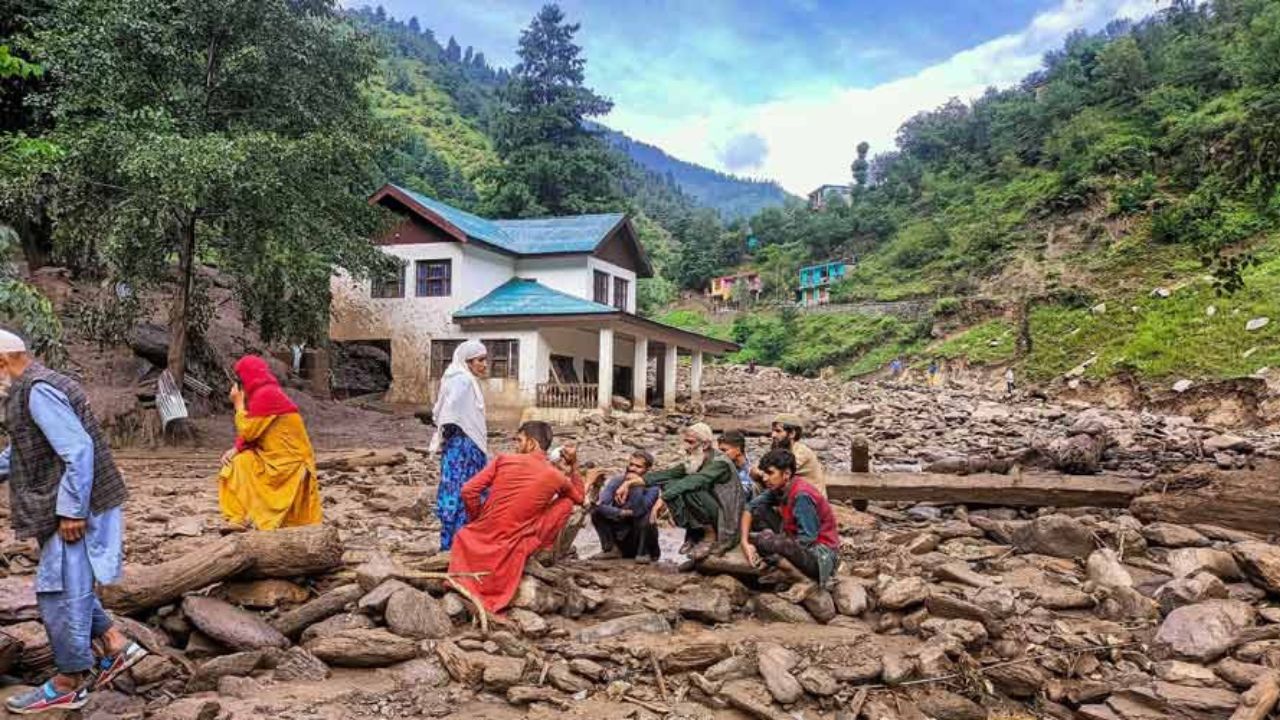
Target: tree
861	166
551	163
414	27
780	268
214	129
453	51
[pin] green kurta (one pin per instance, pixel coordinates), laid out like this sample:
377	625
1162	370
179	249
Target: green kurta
691	496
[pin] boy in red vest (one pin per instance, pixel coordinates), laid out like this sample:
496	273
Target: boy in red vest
796	528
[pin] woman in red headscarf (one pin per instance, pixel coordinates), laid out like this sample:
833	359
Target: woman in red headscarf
269	478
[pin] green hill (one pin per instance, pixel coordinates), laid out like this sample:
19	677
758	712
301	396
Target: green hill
1142	158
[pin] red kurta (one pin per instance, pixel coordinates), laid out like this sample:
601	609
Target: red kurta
529	504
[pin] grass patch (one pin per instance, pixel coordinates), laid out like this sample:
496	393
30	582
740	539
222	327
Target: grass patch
697	321
1163	338
990	343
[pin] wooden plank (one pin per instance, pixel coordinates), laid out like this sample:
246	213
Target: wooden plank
1025	489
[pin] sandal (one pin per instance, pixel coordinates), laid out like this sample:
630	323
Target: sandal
109	667
798	593
700	551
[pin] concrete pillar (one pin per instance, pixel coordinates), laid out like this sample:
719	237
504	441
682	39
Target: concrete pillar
669	378
640	374
606	369
695	376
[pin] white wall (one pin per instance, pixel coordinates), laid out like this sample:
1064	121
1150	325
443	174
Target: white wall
568	274
594	263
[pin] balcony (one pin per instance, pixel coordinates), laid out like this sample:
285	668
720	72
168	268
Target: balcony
572	396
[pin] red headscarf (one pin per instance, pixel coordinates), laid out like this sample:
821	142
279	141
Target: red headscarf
262	393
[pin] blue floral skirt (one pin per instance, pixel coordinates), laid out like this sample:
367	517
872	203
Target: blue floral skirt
460	459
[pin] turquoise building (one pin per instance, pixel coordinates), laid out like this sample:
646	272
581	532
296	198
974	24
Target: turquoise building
816	282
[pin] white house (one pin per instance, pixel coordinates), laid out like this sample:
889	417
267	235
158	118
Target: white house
553	298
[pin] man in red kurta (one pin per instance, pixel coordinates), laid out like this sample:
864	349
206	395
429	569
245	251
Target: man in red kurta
529	503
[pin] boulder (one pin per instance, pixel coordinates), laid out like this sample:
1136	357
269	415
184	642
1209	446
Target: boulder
1063	597
18	599
1189	591
899	593
969	633
738	593
1022	680
298	664
535	595
818	682
337	624
1054	535
1261	563
1206	631
1077	454
1174	536
375	601
640	623
850	597
1185	673
1105	569
531	624
211	671
707	604
943	705
772	608
775	663
563	678
821	606
231	626
499	671
1185	562
264	594
414	614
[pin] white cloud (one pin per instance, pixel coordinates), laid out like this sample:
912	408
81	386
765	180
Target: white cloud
811	138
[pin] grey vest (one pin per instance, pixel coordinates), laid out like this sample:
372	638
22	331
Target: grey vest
35	470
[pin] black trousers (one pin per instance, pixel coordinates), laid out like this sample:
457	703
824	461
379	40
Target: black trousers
772	543
632	536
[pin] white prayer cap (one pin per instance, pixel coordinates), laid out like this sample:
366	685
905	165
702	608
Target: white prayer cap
10	343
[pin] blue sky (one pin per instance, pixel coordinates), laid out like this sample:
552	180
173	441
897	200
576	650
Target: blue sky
782	89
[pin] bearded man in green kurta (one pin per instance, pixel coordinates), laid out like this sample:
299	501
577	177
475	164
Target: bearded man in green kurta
700	492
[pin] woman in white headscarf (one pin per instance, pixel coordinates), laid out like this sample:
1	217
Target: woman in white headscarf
461	434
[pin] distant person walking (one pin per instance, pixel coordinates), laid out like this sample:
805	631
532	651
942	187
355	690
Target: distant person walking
933	373
895	368
461	434
1008	381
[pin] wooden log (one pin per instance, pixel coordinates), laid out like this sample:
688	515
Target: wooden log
292	552
149	586
1026	489
362	459
292	623
1255	512
1258	701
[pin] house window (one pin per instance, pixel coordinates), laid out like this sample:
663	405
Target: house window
601	291
435	278
441	356
562	372
504	357
620	288
390	285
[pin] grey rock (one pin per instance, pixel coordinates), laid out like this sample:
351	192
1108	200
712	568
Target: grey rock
1206	631
640	623
414	614
775	663
850	597
771	608
1054	535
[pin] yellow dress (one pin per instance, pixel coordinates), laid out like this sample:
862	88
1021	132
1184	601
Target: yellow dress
274	483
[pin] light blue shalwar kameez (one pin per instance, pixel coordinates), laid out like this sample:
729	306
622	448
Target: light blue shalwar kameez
65	577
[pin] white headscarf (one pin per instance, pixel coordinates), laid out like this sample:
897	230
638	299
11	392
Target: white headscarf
460	401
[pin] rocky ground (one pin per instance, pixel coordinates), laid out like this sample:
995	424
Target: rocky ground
939	611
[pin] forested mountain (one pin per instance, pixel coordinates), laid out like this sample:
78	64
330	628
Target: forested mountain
734	197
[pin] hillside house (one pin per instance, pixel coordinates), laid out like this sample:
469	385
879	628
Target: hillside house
553	298
825	194
721	289
816	281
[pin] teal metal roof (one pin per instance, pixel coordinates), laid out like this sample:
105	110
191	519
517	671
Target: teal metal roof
520	296
543	236
577	234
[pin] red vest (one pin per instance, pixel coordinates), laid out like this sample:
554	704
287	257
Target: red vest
828	533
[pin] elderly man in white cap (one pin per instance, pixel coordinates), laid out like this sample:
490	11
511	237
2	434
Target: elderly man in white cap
700	493
65	492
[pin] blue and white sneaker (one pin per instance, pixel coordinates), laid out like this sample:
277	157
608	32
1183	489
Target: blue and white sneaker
109	667
45	698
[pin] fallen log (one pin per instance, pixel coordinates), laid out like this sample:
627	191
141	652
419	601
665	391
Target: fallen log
1258	701
150	586
291	552
1024	489
292	623
362	459
1256	513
